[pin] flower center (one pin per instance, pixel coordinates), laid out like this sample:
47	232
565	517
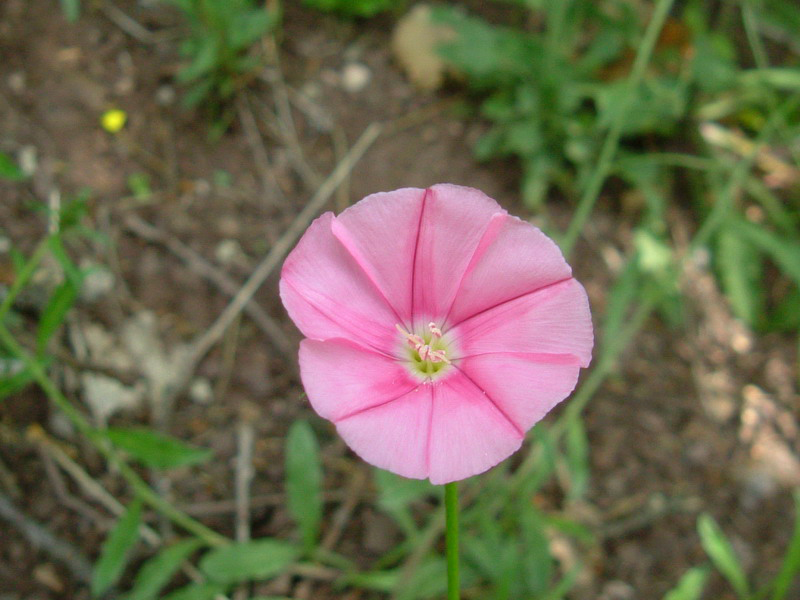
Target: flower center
427	351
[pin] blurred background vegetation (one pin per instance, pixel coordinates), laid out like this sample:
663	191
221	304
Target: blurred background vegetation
158	159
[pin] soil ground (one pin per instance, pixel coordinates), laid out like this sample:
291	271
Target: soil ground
695	419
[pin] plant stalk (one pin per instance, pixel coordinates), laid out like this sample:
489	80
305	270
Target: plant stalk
611	143
140	487
451	538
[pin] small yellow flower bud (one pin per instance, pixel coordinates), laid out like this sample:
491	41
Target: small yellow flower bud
113	120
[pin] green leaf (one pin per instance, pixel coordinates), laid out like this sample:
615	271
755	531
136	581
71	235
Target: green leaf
488	550
577	458
14	376
203	62
562	588
395	495
304	481
351	8
781	14
114	554
572	528
791	561
198	92
785	251
71	271
156	450
426	581
197	591
248	561
246	27
71	9
395	491
139	185
786	315
380	581
534	552
491	56
61	301
159	570
740	267
536	181
691	585
9	169
624	292
545	465
721	554
782	78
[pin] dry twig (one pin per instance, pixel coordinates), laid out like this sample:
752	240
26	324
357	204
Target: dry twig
40	538
205	341
342	516
214	275
269	182
244	476
85	481
221	507
245	438
9	481
127	24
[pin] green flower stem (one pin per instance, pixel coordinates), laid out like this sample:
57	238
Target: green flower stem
81	423
451	538
610	144
23	277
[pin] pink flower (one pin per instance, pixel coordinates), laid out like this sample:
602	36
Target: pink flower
439	328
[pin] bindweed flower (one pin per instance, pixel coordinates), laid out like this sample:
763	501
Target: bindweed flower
439	328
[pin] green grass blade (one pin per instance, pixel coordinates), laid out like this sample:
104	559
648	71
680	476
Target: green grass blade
577	446
740	270
791	562
71	9
114	554
248	561
154	449
610	144
159	570
197	591
9	169
722	555
61	301
783	250
304	481
691	585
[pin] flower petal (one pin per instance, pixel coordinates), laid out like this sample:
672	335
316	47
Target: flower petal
342	378
381	234
469	433
454	220
394	435
525	390
552	320
514	258
328	295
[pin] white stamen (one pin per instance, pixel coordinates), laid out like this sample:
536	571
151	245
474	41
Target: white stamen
426	353
439	356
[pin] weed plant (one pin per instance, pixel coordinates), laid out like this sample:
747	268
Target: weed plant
553	91
353	8
219	48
